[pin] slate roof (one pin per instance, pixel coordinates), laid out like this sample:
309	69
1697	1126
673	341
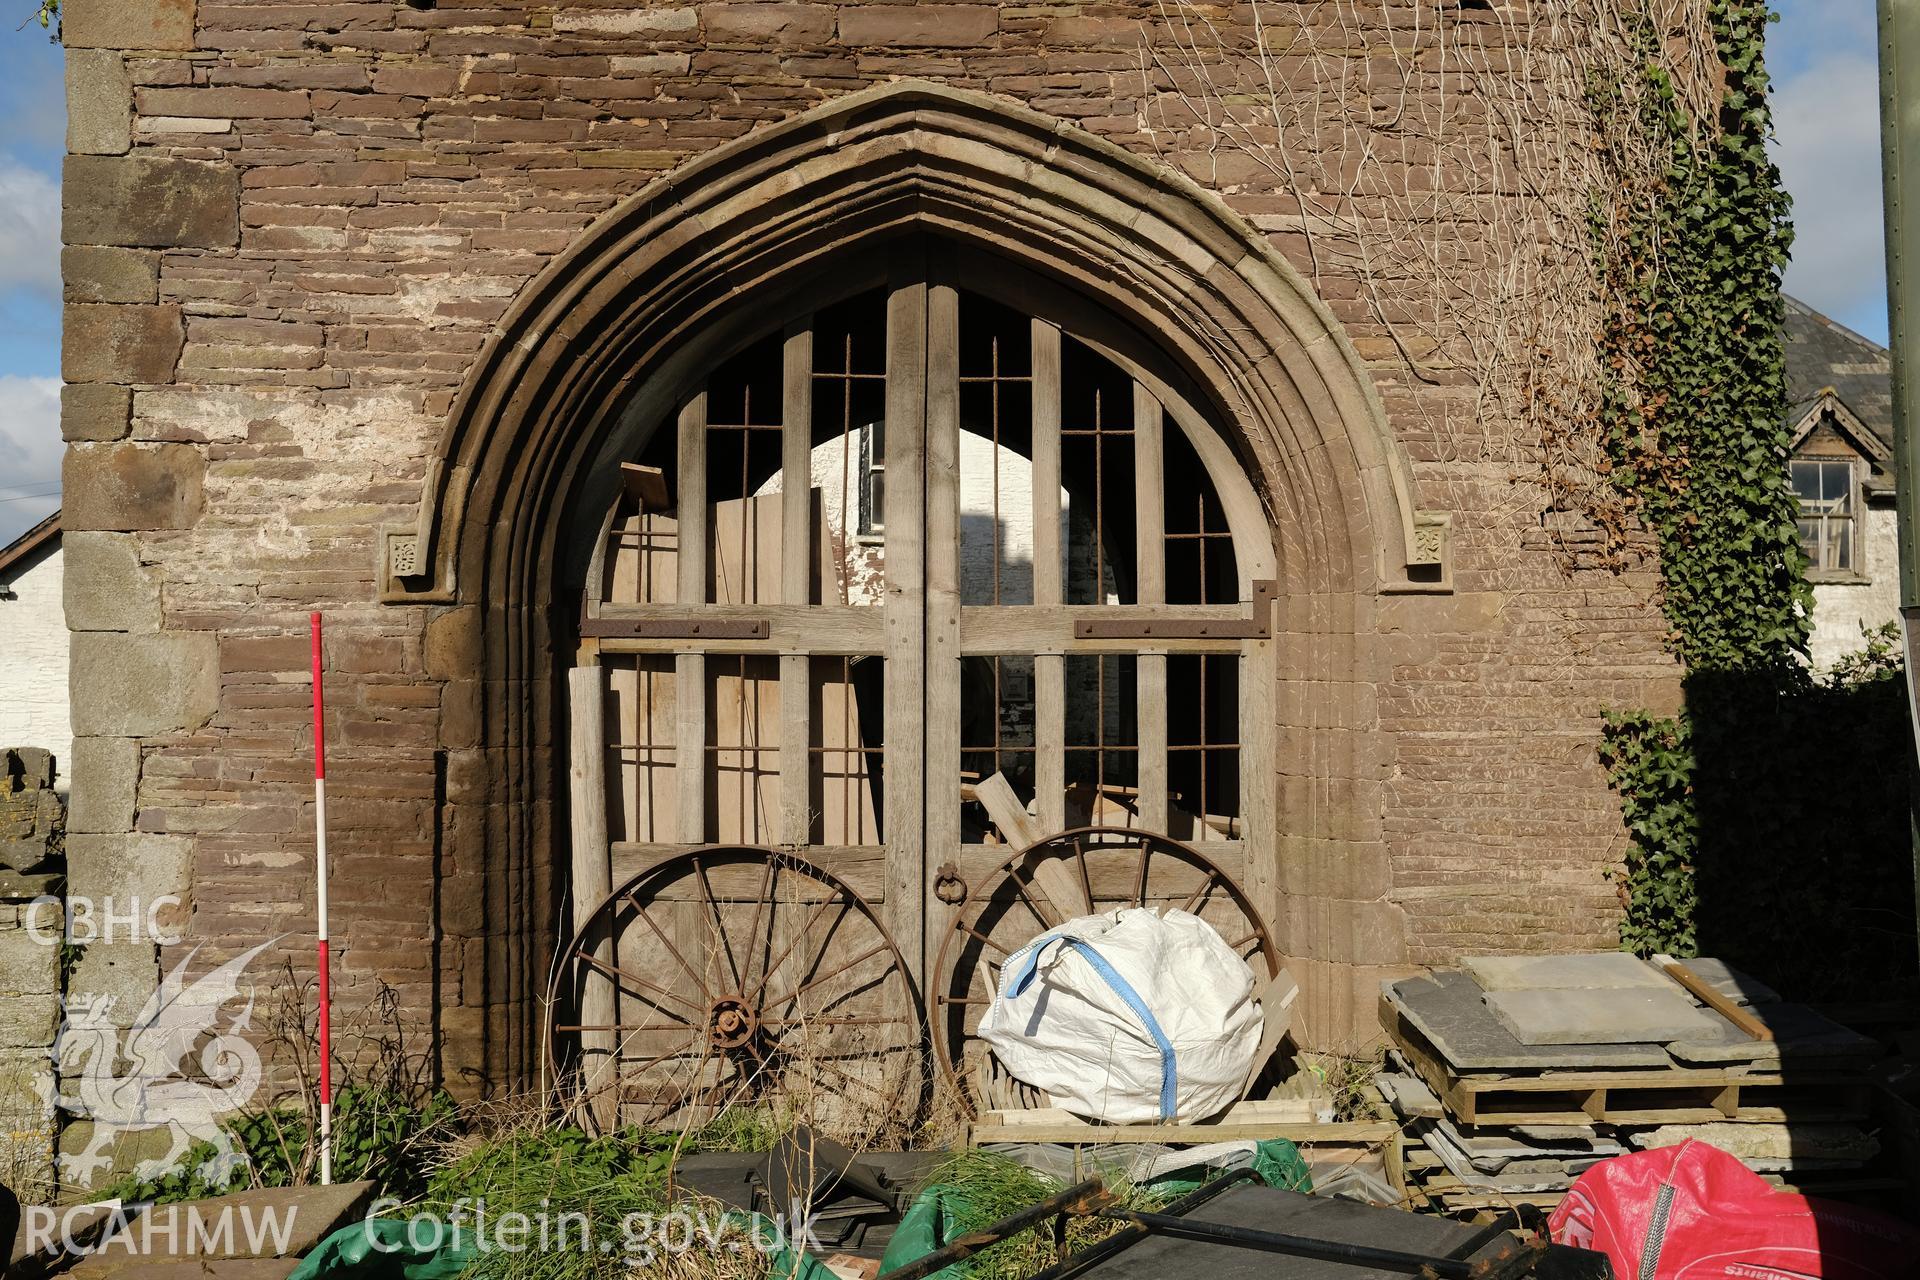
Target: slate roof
1824	355
16	553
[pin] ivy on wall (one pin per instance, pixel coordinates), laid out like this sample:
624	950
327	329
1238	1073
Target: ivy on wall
1650	763
1690	253
1767	821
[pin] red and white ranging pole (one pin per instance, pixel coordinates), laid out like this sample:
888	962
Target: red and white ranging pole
320	870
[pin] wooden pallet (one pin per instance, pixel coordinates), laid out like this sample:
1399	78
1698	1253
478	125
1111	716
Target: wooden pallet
1426	1183
1673	1095
1243	1121
1474	1201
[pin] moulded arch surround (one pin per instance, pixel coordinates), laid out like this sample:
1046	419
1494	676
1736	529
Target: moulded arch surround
612	317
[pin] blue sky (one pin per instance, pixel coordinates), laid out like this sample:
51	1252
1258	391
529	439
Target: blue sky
31	102
1826	111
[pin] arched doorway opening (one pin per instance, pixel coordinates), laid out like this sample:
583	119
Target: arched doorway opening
1147	280
925	550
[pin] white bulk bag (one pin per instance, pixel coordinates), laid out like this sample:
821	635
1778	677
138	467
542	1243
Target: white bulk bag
1128	1017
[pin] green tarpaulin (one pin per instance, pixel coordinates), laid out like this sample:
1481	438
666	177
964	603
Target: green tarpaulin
939	1213
425	1248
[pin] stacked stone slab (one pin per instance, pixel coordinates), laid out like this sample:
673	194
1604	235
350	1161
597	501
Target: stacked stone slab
32	874
1638	1066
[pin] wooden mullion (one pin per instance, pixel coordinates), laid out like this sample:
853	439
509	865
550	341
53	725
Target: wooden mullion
1150	700
1048	587
690	746
592	869
1050	739
796	466
690	505
1049	590
796	587
1258	731
796	720
942	644
905	607
1149	498
690	669
1150	589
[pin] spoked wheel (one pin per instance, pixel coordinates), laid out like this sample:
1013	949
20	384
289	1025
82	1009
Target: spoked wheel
737	976
1075	873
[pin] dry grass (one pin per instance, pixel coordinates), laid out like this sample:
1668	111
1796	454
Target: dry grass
981	1188
514	1160
1347	1079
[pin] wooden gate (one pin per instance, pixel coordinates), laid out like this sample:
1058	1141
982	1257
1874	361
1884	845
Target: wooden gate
921	537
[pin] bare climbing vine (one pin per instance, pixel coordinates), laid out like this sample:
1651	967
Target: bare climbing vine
1439	167
1560	219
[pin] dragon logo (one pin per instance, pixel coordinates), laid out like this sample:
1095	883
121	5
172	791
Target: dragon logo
155	1090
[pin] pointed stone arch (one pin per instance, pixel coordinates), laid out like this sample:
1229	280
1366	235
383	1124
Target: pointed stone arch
604	319
610	335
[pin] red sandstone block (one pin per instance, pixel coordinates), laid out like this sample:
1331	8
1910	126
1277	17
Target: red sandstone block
540	242
264	653
441	16
234	103
371	41
580	66
293	18
918	25
1081	31
541	130
328	105
282	74
343	174
358	285
415	80
256	213
754	22
208	362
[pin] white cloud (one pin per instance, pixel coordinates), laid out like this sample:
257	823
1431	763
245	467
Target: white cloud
30	450
1828	121
29	228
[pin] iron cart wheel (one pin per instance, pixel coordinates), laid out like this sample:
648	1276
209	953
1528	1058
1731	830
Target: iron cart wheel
737	976
1080	872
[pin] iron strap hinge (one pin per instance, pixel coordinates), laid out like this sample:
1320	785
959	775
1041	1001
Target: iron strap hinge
675	628
1151	626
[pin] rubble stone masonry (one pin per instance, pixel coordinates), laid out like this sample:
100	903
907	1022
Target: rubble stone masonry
32	824
290	229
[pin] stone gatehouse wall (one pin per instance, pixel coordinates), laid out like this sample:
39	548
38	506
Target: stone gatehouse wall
290	229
